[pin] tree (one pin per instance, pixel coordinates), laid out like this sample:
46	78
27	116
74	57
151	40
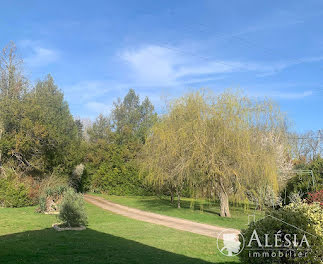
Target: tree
80	128
115	142
48	129
13	84
100	129
40	133
132	119
167	158
306	146
216	143
236	147
13	89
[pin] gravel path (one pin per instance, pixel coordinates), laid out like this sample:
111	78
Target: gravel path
172	222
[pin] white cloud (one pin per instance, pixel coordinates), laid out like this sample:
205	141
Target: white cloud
154	65
37	55
42	56
92	97
290	95
287	91
86	90
98	108
158	66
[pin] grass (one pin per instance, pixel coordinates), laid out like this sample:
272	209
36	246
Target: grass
209	215
27	237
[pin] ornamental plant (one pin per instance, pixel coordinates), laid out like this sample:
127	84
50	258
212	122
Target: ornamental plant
72	209
315	197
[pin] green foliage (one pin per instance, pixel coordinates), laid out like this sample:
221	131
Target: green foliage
114	144
303	184
112	172
51	192
37	129
52	132
38	135
101	130
221	145
118	179
13	193
132	119
72	209
295	218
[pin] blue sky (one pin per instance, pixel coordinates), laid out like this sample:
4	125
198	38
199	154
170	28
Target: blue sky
97	50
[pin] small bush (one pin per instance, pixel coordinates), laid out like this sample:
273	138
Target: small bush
13	193
294	218
72	209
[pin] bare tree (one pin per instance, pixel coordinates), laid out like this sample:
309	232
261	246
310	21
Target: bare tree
12	81
307	146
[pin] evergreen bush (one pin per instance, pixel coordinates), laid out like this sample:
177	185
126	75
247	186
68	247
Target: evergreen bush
72	209
13	193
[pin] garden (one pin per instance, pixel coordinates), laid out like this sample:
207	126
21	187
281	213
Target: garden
225	160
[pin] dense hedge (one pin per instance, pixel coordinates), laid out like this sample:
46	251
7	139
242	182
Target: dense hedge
118	179
14	193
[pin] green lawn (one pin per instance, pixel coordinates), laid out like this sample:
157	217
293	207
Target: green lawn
27	237
209	215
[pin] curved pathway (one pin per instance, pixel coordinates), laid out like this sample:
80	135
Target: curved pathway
172	222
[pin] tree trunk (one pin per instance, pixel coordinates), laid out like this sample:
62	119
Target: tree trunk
224	202
171	196
178	199
0	151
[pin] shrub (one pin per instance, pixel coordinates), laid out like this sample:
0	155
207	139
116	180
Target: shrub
13	193
295	218
303	184
33	186
50	198
72	209
52	189
315	197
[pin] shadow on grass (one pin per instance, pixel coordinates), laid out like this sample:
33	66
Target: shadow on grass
164	204
88	246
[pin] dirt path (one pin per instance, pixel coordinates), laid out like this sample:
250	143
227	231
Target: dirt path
173	222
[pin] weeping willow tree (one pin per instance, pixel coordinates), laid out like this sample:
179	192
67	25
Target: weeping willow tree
167	154
218	143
